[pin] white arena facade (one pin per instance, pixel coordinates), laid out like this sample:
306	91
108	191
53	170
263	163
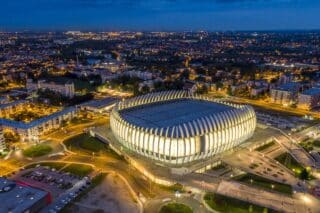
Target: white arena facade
176	127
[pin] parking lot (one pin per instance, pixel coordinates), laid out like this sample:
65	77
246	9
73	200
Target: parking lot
48	179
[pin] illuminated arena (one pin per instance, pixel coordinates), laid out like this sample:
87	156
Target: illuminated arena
176	127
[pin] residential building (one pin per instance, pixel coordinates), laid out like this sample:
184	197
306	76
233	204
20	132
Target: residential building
32	130
309	99
285	94
66	89
2	140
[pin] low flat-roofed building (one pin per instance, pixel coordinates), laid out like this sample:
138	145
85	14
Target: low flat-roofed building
19	197
309	99
99	106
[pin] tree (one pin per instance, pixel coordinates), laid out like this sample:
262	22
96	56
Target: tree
145	89
185	74
229	90
250	208
305	174
202	90
11	137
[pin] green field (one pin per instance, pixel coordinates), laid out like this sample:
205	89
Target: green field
37	150
78	169
226	204
87	142
264	183
218	167
175	208
55	165
74	168
90	144
265	146
309	144
77	120
288	161
172	188
316	143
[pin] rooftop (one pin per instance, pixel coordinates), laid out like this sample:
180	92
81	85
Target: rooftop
23	125
17	197
14	103
312	91
171	113
101	103
292	86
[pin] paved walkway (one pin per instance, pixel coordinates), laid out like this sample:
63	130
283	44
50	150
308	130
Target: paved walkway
297	152
154	205
298	204
261	165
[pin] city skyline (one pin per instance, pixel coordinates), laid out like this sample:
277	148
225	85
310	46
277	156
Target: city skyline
151	15
159	106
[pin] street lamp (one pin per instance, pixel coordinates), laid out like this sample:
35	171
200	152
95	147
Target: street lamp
177	194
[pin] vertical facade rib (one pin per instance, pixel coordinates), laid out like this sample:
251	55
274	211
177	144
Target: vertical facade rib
198	139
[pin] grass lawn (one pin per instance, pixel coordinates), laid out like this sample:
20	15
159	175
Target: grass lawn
173	188
288	161
218	167
37	150
90	144
265	146
77	120
55	165
175	208
78	169
226	204
264	183
307	144
87	142
316	143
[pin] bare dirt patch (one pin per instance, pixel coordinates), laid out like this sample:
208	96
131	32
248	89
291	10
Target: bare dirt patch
111	196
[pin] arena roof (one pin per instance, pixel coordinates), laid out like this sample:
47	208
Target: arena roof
171	113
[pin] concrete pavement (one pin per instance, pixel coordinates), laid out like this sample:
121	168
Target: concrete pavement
297	204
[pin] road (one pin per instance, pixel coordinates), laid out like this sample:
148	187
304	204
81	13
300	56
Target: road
102	162
297	204
154	205
297	152
152	194
261	165
272	106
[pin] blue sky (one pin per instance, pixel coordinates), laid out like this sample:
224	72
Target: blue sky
169	15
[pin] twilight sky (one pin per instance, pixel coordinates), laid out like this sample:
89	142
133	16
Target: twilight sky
170	15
